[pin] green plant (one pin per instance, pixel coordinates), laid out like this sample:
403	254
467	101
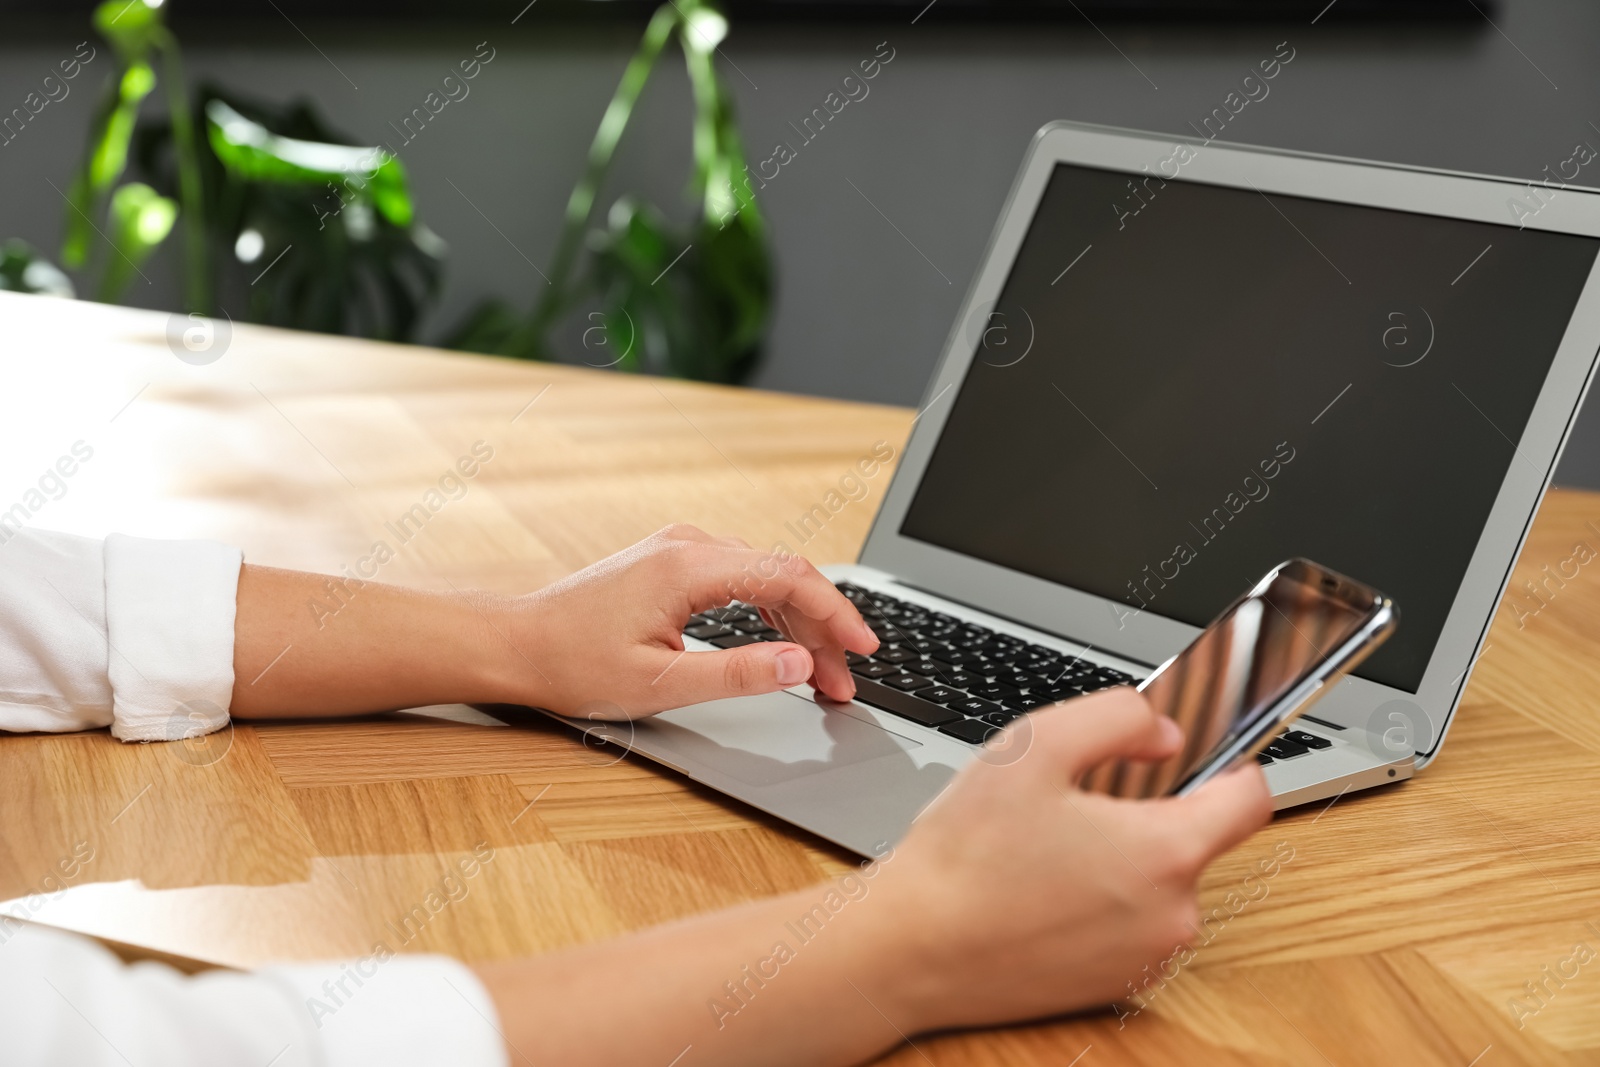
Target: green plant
247	180
693	304
323	233
23	270
140	218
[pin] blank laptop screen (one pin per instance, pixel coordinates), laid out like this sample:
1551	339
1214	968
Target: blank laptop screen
1183	385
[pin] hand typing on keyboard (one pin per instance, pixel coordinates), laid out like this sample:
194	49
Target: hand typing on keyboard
950	674
606	642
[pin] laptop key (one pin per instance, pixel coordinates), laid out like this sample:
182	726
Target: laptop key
941	694
1282	749
734	641
1264	759
707	630
972	731
996	691
854	659
1300	737
1067	672
874	670
752	626
894	655
906	682
730	613
1053	678
905	705
975	706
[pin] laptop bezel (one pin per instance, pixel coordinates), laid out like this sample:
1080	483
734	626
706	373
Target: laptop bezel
1148	637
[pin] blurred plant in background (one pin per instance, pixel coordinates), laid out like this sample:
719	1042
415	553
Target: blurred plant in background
138	218
314	231
321	234
24	270
325	231
693	304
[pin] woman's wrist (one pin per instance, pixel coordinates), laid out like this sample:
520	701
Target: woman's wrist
897	971
501	658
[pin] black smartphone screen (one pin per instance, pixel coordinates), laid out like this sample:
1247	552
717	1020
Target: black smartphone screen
1241	667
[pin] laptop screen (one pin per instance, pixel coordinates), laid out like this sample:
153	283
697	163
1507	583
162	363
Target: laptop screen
1182	385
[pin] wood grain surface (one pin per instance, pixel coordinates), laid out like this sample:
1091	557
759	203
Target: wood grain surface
1405	925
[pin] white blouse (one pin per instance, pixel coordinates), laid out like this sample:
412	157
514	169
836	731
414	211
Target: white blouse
137	635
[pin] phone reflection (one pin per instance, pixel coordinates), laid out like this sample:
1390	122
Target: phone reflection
1234	673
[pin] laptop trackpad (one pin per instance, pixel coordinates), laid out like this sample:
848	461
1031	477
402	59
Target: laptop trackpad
763	740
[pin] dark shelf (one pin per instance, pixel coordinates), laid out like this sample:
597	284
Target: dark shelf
397	13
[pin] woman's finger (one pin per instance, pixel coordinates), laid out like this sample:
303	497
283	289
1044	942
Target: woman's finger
769	580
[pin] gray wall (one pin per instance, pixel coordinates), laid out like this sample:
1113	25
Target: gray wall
865	297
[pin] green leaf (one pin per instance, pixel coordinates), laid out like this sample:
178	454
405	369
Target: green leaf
326	258
635	272
132	26
110	155
251	151
141	219
109	136
486	328
733	282
704	28
23	270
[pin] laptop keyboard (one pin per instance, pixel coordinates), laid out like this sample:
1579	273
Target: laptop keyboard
934	669
952	675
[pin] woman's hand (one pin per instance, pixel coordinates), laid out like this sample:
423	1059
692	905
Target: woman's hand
607	641
1016	895
603	643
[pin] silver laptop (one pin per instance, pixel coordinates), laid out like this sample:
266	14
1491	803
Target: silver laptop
1180	363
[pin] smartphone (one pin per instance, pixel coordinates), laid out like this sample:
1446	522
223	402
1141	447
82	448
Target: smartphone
1259	664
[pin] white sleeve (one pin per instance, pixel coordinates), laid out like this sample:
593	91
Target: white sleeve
65	999
127	632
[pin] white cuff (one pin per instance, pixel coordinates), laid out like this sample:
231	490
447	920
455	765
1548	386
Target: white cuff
169	618
396	1010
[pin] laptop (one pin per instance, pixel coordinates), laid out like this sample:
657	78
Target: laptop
1181	363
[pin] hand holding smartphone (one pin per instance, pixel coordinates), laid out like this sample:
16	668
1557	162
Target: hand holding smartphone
1259	664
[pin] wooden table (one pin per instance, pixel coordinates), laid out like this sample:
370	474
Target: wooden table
1402	929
